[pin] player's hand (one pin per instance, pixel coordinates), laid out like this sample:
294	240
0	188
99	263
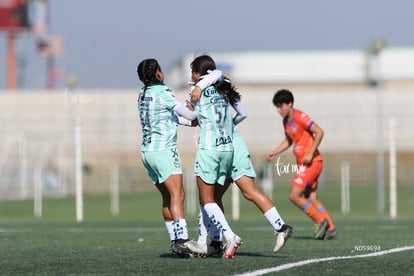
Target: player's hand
194	123
307	159
189	105
270	156
195	94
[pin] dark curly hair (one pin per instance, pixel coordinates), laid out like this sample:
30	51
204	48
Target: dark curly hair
146	71
205	63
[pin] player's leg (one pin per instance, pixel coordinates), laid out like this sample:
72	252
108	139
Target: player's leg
220	190
205	226
331	233
168	218
220	163
182	246
263	202
244	174
312	194
217	217
168	168
150	162
251	193
305	179
296	197
176	191
216	244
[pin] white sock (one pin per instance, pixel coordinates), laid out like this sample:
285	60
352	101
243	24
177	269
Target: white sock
180	228
274	218
215	234
218	219
203	224
170	229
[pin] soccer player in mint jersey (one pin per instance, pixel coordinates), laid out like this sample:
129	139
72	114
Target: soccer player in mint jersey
158	108
215	149
243	174
305	136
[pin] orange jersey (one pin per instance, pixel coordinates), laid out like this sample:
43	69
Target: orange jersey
298	131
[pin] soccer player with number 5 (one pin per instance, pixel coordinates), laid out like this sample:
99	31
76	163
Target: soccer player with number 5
158	110
215	149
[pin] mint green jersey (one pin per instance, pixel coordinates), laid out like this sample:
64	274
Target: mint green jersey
215	121
158	122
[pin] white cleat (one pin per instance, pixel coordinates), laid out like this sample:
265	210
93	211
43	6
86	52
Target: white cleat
188	249
283	235
231	247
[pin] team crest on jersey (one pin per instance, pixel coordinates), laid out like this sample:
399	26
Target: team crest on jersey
146	140
209	91
294	128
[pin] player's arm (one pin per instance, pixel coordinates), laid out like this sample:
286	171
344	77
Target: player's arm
317	133
184	115
281	148
241	113
203	83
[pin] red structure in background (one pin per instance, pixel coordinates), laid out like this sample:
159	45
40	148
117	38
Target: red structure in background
29	16
14	17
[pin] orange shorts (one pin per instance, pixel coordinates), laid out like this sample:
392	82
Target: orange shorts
307	176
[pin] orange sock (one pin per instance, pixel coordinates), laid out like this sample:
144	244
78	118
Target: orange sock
311	211
324	214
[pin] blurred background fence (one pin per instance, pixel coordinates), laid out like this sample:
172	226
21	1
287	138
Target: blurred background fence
38	134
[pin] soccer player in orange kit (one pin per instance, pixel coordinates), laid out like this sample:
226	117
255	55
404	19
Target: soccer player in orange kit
305	135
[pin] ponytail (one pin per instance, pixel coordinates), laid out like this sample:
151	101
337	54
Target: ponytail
227	90
147	70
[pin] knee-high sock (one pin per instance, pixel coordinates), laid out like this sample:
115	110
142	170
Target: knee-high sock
325	214
170	229
218	219
215	234
273	217
311	211
180	229
203	224
205	227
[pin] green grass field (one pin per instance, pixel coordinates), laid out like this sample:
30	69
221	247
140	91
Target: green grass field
135	242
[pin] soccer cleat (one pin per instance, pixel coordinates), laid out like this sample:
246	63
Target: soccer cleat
283	235
172	245
321	229
231	247
331	234
186	248
215	247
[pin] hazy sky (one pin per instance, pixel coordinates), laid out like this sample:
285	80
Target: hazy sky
105	39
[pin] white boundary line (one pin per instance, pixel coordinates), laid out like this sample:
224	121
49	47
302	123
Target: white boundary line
310	261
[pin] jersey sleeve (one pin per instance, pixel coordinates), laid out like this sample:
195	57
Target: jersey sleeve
241	113
168	99
183	111
209	79
306	121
